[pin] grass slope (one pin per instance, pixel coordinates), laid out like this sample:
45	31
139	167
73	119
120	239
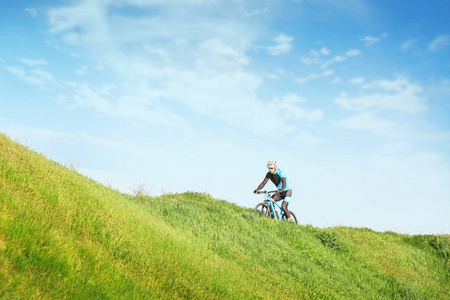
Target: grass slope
63	236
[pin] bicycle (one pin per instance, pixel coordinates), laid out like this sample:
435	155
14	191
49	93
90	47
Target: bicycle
268	208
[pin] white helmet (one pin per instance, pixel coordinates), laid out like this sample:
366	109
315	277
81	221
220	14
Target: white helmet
272	164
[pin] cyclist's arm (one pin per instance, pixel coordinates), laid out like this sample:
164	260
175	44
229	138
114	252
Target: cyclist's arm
284	183
262	184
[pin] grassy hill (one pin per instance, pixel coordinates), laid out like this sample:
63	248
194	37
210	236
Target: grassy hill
64	236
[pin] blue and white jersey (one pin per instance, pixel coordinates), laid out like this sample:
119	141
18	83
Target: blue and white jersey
277	179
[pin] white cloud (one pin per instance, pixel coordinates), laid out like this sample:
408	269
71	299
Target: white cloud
339	58
82	70
31	11
195	64
132	103
380	105
357	80
306	79
293	98
45	76
397	95
336	80
324	51
91	25
440	43
255	9
328	73
289	105
310	60
370	40
40	78
316	57
314	53
225	96
353	52
405	46
221	54
34	62
283	45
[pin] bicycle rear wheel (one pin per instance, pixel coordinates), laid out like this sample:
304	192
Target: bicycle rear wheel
261	210
293	217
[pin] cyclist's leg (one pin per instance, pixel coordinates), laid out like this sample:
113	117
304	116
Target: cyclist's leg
276	198
284	205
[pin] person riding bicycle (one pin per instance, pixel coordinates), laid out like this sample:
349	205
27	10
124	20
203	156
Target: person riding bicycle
278	178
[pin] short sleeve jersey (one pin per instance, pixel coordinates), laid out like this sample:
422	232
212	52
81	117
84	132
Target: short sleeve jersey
277	179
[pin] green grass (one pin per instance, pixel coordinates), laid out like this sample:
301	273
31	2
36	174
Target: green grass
64	236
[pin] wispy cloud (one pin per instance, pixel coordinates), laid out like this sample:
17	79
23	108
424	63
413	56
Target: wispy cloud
31	11
132	103
325	73
252	9
399	96
290	105
370	40
315	56
439	43
318	57
197	65
283	45
44	80
407	45
357	80
395	95
353	53
336	80
34	62
307	78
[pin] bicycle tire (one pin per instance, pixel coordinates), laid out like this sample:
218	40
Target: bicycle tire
261	210
293	217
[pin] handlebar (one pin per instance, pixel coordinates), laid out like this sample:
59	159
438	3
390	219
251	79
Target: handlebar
266	192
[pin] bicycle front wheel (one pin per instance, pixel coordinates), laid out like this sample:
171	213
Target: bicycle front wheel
261	210
293	217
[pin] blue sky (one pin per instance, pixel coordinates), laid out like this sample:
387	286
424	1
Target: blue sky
351	97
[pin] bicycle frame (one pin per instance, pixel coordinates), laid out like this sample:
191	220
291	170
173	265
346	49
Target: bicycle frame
272	207
269	208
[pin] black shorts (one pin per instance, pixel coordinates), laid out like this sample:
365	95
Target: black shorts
284	194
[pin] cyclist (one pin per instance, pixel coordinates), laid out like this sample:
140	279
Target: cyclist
284	192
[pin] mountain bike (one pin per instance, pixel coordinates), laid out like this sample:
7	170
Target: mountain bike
270	208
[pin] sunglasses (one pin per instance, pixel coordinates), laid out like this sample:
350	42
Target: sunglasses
272	168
